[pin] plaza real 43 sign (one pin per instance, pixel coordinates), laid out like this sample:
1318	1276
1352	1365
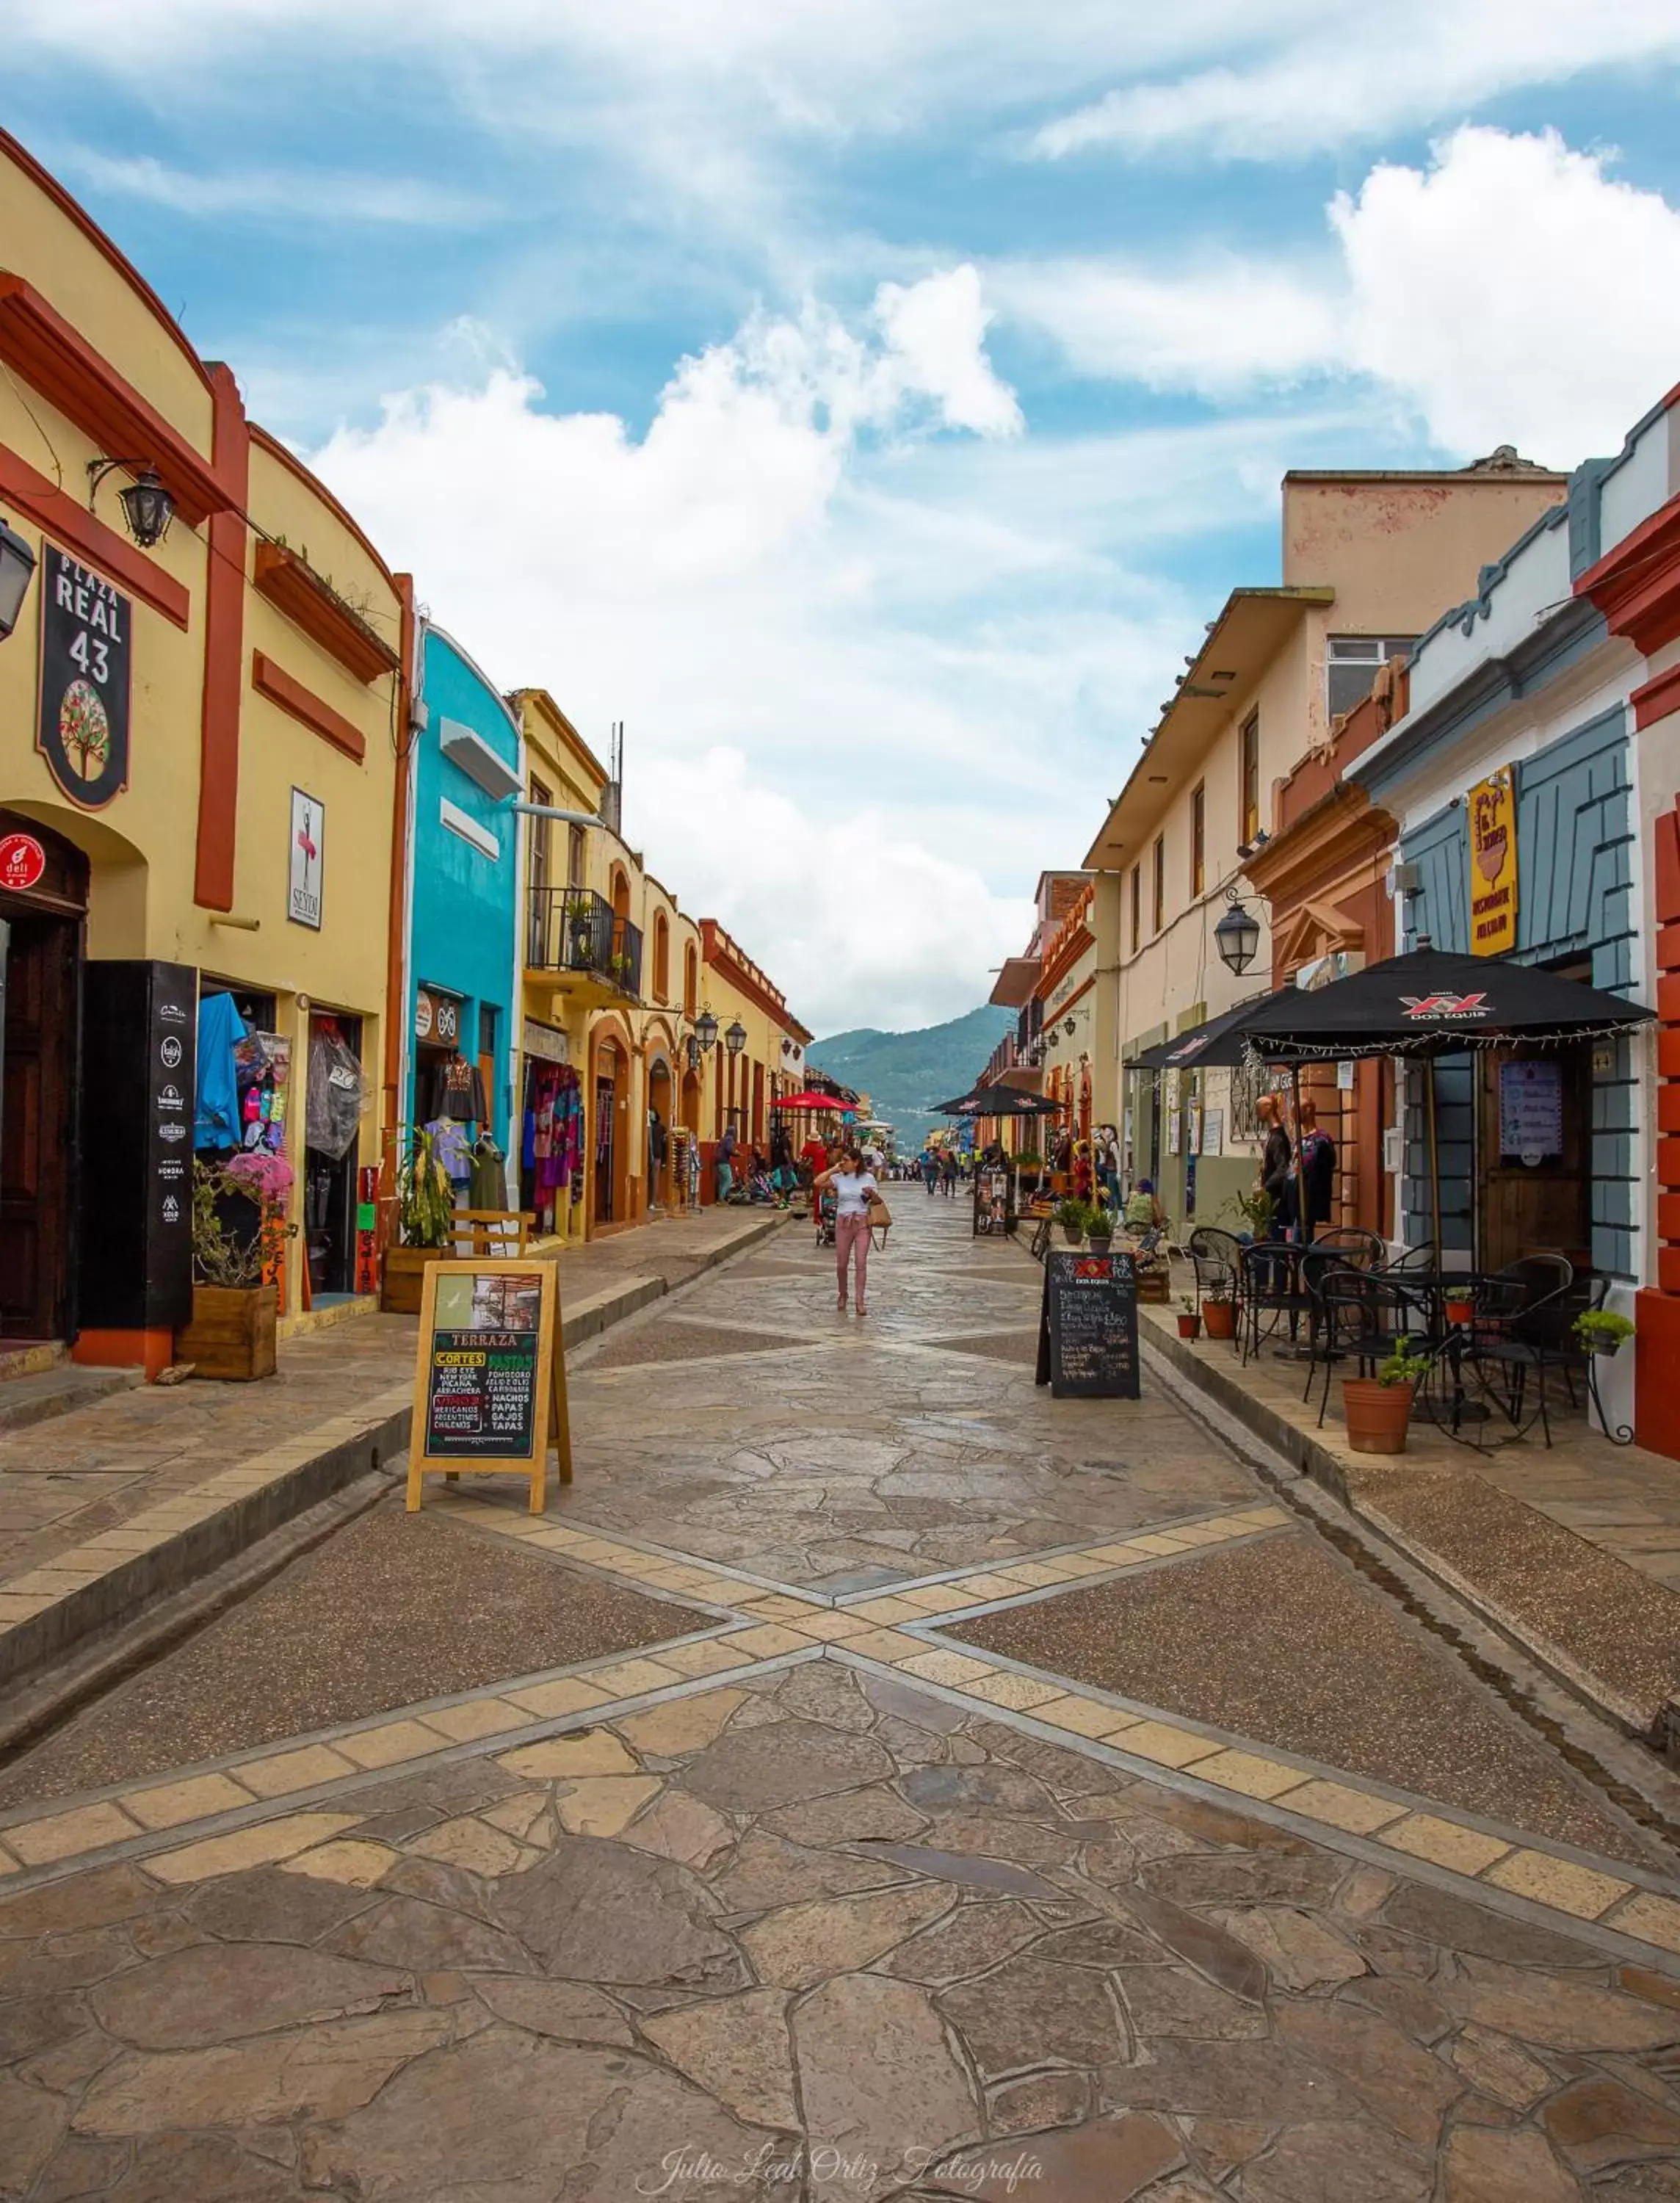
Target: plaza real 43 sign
83	730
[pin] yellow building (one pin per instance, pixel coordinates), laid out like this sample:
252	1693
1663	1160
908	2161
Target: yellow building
759	1052
611	980
202	740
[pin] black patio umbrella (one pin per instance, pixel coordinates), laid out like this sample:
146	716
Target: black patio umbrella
1218	1044
1428	1004
998	1101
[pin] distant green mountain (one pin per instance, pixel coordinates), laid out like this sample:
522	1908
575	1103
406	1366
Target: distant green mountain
904	1073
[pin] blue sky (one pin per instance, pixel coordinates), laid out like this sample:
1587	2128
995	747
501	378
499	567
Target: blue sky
868	404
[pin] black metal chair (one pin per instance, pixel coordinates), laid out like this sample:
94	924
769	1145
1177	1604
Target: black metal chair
1359	1249
1270	1288
1216	1257
1362	1318
1516	1333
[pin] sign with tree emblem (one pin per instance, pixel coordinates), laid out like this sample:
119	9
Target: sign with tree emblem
83	729
308	859
1493	863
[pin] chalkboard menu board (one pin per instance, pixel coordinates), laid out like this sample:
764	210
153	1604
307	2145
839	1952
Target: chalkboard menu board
490	1386
1088	1330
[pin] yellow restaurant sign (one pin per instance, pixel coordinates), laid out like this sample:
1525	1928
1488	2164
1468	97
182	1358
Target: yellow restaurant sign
1493	863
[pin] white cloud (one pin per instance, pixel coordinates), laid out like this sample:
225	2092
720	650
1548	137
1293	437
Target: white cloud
1356	72
1514	291
937	330
279	195
763	617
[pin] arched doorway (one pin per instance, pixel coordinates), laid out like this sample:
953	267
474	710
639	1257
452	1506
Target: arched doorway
41	955
660	1194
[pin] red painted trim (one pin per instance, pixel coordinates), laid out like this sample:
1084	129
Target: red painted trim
274	682
1656	699
151	1350
223	700
50	186
273	448
59	362
1637	585
724	955
295	588
77	529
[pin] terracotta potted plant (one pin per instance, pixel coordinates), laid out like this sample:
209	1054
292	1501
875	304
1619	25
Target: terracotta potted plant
1460	1308
1378	1408
426	1221
1219	1311
1189	1318
235	1294
1070	1215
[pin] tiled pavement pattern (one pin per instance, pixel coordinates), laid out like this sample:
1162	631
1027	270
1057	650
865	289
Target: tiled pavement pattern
815	1905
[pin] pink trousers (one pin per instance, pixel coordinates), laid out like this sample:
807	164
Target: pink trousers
851	1232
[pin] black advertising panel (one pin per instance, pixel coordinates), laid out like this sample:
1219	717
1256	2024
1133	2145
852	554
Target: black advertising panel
140	1029
483	1369
1088	1331
83	729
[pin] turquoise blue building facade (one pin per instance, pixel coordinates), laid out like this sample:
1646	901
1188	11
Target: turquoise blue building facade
463	887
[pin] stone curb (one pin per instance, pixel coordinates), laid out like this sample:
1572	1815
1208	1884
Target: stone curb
296	1479
20	1409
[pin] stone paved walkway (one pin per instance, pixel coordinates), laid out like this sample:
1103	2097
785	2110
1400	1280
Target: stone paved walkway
807	1902
98	1486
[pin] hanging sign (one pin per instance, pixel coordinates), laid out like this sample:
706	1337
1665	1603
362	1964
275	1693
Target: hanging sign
1493	863
23	862
1087	1327
437	1017
490	1381
308	859
83	728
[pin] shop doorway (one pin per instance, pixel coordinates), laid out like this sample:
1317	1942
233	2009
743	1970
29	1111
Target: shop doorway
605	1160
44	927
329	1172
659	1125
1533	1131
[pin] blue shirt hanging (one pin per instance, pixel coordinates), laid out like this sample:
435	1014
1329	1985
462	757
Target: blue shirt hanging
216	1120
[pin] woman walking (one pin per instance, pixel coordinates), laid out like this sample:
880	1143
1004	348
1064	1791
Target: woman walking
855	1194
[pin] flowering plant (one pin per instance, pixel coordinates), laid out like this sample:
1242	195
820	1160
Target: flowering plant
220	1255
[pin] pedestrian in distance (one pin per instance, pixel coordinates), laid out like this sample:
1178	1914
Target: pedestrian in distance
947	1171
854	1193
931	1170
726	1162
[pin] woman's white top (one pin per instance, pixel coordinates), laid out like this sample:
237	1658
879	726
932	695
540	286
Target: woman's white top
849	1193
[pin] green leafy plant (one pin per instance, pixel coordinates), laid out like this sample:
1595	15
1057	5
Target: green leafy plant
1072	1214
1220	1291
1254	1209
1188	1303
1601	1331
425	1197
1029	1159
1402	1365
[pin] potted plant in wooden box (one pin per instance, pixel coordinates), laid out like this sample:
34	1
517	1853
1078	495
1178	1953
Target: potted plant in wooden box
1378	1408
426	1221
235	1268
1189	1317
1219	1310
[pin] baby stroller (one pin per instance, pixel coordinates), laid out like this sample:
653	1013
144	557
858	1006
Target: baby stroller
827	1208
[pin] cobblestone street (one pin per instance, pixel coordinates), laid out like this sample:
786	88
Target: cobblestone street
871	1779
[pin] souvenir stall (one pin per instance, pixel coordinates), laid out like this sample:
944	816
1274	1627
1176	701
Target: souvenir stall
551	1162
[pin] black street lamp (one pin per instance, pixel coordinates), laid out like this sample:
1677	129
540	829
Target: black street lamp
705	1032
1237	937
736	1039
147	506
17	563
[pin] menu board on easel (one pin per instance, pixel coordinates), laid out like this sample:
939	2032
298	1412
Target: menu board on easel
489	1379
1087	1347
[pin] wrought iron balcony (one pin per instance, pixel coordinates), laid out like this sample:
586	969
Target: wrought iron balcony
574	929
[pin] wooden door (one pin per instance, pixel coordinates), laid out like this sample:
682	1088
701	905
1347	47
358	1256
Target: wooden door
1546	1201
35	1145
